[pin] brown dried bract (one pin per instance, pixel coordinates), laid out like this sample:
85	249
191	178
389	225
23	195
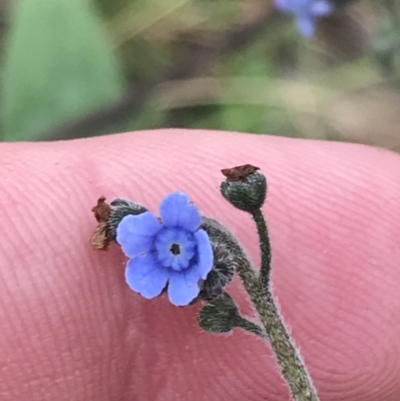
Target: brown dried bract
100	238
102	210
239	173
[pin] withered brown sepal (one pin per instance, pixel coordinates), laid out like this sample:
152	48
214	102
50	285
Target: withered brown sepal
100	238
239	173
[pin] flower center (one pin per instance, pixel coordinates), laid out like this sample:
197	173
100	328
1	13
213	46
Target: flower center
175	248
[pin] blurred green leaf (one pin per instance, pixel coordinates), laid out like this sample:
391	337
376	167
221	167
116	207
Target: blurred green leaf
235	114
58	66
386	45
149	117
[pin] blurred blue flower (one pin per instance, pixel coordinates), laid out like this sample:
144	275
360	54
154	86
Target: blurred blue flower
306	12
173	251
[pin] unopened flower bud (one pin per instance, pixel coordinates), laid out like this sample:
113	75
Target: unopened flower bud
245	187
219	316
225	261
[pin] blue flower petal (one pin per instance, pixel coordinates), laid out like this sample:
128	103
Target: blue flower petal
181	291
136	233
320	8
145	276
294	6
284	5
306	25
177	211
205	254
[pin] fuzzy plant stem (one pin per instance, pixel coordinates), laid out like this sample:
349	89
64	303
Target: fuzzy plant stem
265	246
286	352
251	327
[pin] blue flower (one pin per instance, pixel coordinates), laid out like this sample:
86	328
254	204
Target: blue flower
172	251
306	12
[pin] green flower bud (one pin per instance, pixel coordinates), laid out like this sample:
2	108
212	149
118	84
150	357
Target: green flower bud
245	188
225	261
220	316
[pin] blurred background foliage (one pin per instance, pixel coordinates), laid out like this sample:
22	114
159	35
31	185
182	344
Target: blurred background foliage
77	68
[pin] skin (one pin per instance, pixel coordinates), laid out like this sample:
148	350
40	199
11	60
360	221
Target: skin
72	330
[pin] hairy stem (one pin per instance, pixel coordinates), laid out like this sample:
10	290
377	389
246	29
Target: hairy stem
285	350
251	327
265	246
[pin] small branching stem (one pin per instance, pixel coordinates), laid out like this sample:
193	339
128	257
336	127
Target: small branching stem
251	327
286	353
265	247
276	332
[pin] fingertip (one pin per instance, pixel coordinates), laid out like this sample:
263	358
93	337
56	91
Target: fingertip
331	208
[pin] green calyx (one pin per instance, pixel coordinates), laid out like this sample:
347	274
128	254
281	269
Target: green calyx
246	193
